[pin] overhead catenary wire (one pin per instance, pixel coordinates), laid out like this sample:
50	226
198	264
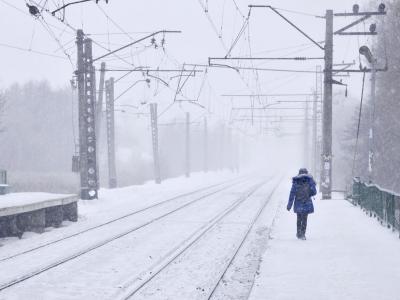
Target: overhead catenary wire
115	23
299	12
52	34
238	9
28	15
44	9
241	31
358	126
32	51
214	27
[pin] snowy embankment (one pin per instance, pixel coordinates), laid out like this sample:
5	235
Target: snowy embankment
347	256
112	204
108	265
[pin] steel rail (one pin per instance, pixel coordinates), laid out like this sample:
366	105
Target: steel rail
243	240
100	244
188	243
120	218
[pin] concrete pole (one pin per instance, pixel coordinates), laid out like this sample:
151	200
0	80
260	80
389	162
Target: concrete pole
154	138
187	146
99	106
371	147
112	170
326	172
205	150
306	135
87	116
315	156
81	111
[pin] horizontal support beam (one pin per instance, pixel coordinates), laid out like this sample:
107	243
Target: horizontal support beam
357	33
301	58
359	71
152	70
136	42
360	14
267	95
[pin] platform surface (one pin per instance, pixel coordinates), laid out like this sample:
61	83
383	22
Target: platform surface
16	203
347	256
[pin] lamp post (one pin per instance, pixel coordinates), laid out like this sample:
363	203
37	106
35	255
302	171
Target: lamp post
366	52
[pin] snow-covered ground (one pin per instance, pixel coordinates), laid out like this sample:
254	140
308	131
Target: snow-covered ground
190	246
111	204
102	272
347	256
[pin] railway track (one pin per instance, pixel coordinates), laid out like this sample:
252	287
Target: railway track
240	245
130	214
218	188
132	288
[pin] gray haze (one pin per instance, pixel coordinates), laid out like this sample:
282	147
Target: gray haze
40	137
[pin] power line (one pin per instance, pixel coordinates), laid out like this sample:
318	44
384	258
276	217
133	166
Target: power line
238	9
299	12
115	23
32	51
287	48
214	27
358	126
62	20
28	15
52	34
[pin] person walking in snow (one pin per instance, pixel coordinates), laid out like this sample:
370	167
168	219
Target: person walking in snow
303	188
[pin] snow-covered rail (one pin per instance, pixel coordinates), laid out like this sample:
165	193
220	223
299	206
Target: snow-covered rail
133	287
217	186
92	234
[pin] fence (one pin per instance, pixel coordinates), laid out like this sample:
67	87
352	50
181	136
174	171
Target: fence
377	202
4	189
3	177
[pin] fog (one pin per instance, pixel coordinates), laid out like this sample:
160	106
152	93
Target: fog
40	118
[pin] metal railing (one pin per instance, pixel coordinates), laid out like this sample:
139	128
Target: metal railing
3	177
377	202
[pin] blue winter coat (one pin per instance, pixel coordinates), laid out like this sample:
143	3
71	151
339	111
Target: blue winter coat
302	207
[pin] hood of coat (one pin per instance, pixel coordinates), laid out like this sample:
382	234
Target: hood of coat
302	177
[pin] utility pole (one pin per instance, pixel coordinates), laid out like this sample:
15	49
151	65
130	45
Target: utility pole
154	138
222	146
112	172
205	150
326	172
237	153
371	151
187	146
230	150
315	156
99	106
306	135
99	114
87	128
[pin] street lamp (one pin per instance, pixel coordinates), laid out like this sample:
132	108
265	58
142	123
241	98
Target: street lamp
366	52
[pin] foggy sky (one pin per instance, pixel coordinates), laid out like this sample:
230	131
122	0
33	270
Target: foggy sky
198	39
197	42
267	35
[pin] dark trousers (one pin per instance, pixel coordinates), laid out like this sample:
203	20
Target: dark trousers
301	224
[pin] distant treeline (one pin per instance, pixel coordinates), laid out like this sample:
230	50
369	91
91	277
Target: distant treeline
41	134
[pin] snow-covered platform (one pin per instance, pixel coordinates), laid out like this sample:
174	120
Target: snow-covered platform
347	255
21	212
